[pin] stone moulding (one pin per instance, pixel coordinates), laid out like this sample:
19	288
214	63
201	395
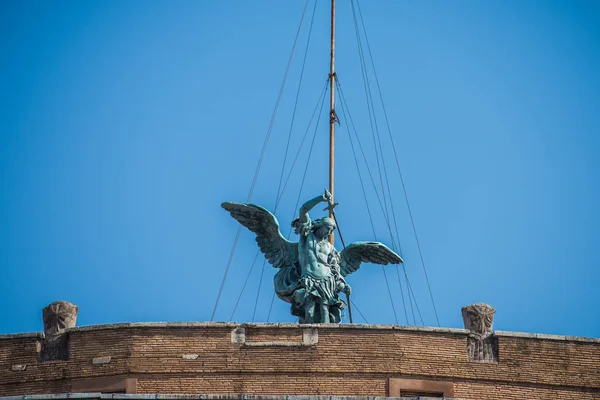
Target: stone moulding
27	335
101	360
310	337
231	325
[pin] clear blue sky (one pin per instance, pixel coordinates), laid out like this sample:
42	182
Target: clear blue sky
125	124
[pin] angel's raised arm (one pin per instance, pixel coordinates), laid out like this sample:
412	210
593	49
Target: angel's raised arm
306	207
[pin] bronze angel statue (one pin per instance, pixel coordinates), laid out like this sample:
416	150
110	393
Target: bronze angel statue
311	271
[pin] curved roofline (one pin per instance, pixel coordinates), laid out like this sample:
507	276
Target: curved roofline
232	325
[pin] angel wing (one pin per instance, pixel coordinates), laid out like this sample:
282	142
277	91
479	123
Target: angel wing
278	251
358	252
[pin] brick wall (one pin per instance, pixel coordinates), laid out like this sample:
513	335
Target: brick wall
360	360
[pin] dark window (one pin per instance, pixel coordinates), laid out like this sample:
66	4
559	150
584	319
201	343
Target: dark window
409	387
418	393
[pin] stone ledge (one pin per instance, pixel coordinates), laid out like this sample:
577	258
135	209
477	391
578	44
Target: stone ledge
27	335
544	336
288	325
263	325
255	325
131	325
274	344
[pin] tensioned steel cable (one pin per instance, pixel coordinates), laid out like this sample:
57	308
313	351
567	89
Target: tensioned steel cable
322	100
379	150
344	110
358	309
287	179
386	216
344	107
374	128
415	300
280	191
370	109
321	95
351	120
378	147
260	159
370	103
319	100
244	286
360	146
397	162
409	288
312	144
344	104
262	273
287	146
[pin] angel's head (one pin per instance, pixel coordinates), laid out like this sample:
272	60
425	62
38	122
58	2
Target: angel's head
323	227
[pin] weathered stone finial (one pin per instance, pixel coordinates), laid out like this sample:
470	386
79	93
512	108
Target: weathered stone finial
482	346
58	316
478	318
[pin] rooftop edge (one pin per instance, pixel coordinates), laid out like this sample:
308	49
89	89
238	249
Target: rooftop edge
231	325
66	396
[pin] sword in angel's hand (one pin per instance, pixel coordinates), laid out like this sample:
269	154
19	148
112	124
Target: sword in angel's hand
349	307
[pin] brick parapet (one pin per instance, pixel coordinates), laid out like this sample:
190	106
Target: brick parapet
68	396
128	325
343	360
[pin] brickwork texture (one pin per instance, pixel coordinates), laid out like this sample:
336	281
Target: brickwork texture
344	361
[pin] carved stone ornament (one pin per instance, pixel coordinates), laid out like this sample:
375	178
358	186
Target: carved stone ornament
58	316
478	318
482	345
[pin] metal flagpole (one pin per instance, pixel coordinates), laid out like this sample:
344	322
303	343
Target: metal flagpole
332	115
